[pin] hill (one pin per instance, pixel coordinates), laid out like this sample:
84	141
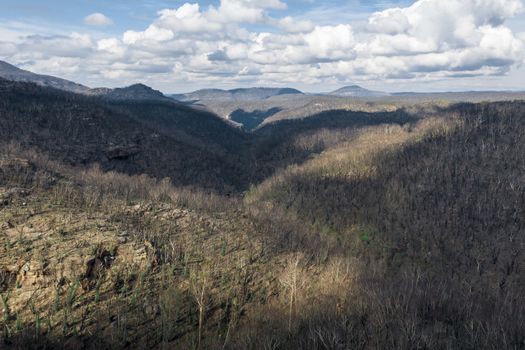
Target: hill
413	202
10	72
136	92
254	112
249	94
356	91
141	255
172	141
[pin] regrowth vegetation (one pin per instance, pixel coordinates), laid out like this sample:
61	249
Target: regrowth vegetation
146	226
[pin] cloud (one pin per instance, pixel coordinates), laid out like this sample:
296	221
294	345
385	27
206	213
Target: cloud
244	11
152	34
242	41
521	36
291	25
7	48
187	19
41	46
97	19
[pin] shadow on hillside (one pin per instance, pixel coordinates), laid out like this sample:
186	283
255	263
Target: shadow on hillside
452	206
439	231
164	140
251	120
335	119
192	148
274	146
29	340
408	310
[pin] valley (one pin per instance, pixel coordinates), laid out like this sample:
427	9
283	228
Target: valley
259	218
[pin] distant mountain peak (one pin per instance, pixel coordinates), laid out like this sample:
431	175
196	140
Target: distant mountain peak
139	86
351	88
270	90
137	92
356	91
240	94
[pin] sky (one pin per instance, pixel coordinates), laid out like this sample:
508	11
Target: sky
313	45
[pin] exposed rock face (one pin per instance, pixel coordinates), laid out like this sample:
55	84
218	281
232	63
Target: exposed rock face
7	279
96	267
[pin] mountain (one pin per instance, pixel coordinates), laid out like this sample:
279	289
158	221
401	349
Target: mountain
161	139
356	91
10	72
247	94
136	92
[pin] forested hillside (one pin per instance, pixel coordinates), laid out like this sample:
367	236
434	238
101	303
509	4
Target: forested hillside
436	214
155	138
149	224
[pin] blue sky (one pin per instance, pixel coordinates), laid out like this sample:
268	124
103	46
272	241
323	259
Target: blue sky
424	45
135	14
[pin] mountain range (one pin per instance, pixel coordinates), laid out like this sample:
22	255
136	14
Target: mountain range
252	108
141	91
248	94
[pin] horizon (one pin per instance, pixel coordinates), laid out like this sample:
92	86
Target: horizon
313	46
306	92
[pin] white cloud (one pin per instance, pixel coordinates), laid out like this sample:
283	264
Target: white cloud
291	25
521	36
73	45
97	19
187	19
431	39
243	11
392	21
152	34
7	49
